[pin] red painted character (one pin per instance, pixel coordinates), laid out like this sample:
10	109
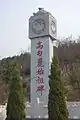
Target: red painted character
40	62
39	45
40	71
39	53
40	80
40	89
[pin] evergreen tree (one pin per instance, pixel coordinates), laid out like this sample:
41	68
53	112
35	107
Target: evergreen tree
57	109
15	104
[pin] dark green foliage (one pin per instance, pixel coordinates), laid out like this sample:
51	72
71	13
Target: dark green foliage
4	71
15	104
57	109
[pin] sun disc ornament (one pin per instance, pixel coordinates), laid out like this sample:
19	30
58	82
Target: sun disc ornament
38	26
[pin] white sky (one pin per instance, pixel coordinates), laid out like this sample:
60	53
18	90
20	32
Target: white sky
14	15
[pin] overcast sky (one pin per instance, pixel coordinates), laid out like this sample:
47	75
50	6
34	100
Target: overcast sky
14	15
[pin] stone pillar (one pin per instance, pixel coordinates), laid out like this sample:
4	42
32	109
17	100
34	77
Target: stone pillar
42	32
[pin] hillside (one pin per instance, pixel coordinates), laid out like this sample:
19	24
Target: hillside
68	53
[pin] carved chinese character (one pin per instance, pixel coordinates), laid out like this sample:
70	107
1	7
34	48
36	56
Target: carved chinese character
40	62
39	53
40	80
39	45
40	89
40	71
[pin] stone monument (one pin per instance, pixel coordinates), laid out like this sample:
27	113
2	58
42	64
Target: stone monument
42	32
